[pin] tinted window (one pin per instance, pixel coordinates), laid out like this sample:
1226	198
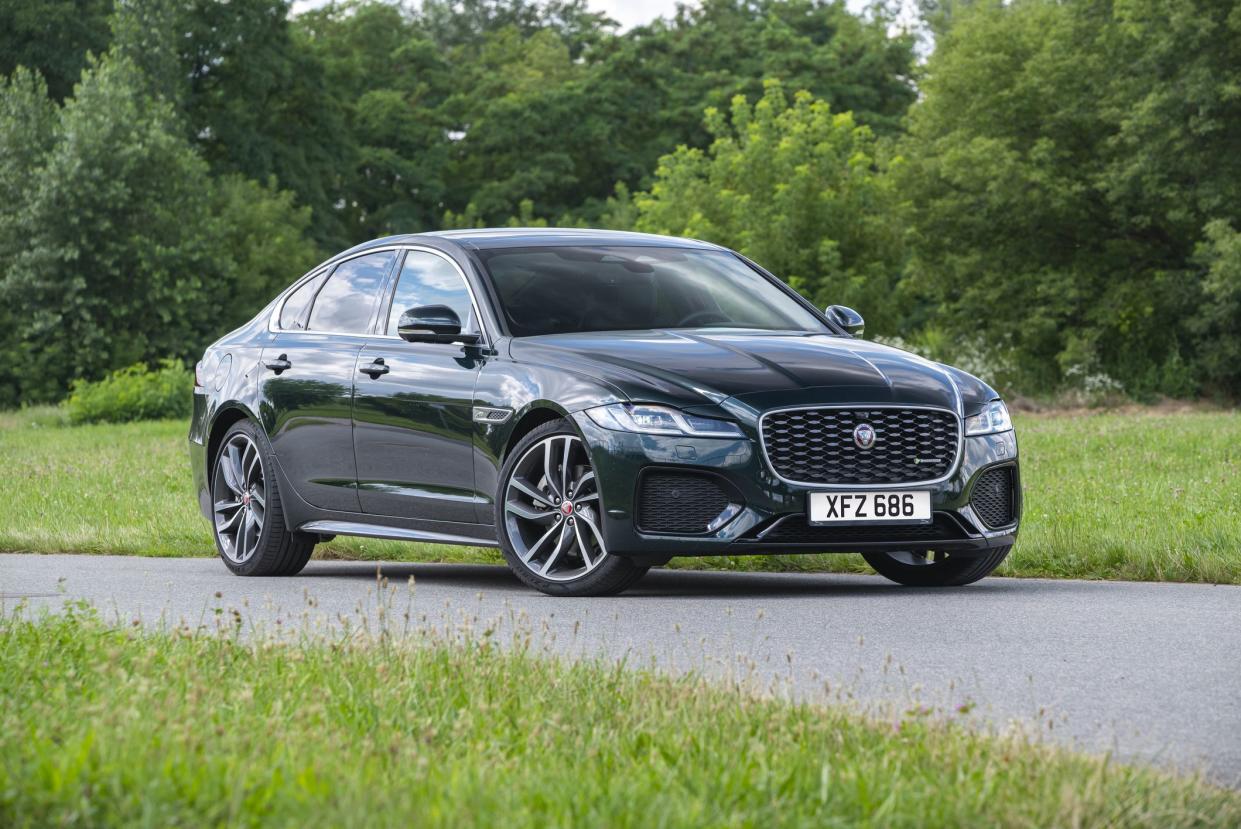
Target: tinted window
554	290
293	314
427	279
348	299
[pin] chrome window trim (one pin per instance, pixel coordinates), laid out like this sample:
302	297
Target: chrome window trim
956	463
273	322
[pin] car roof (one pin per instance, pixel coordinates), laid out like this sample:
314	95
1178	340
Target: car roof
516	237
485	238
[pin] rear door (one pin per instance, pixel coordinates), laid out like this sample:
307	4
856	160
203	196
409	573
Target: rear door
310	367
413	405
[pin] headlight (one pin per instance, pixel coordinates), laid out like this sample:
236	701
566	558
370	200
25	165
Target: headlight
993	418
661	420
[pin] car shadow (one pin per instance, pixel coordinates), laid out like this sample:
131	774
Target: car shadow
658	583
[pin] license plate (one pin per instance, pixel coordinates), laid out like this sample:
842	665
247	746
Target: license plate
870	507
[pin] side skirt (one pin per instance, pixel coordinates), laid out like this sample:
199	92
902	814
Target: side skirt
393	533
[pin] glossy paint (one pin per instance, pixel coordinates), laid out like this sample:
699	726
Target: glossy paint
400	455
413	433
309	406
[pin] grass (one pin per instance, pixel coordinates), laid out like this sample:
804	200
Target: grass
107	726
1136	494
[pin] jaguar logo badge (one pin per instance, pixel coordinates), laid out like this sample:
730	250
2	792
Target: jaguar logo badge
864	435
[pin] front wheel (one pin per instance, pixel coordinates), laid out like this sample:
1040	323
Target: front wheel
549	516
935	569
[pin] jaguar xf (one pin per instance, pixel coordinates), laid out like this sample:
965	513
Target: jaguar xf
593	403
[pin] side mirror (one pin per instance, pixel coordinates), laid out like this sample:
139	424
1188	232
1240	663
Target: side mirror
432	324
847	319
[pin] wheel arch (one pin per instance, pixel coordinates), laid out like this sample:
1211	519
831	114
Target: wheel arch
534	416
227	417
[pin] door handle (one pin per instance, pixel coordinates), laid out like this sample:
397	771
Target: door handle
375	369
279	364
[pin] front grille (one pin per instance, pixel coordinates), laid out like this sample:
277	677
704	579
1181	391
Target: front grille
797	530
679	502
992	498
816	446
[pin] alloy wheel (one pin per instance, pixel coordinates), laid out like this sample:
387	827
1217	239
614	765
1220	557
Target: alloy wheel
239	494
552	510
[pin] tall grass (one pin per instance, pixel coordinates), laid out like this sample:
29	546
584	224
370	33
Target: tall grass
106	726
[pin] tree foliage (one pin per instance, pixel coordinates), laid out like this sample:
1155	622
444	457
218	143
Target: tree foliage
53	38
1056	189
127	250
1064	168
474	106
795	187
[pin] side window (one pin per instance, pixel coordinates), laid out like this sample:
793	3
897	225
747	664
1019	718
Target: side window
293	314
427	279
347	300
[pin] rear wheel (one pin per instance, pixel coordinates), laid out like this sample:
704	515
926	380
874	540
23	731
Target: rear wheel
549	518
935	569
250	532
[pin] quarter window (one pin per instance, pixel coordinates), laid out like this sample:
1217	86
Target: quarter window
427	279
348	299
293	314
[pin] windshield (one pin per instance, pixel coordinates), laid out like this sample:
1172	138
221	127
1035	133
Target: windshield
562	290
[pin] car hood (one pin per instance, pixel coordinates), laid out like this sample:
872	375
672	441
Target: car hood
757	370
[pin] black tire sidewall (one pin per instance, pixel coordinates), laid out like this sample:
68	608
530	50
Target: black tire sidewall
274	556
956	572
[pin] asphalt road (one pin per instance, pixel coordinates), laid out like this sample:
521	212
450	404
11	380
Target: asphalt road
1150	672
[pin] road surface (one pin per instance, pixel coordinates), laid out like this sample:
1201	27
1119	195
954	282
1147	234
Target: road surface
1150	672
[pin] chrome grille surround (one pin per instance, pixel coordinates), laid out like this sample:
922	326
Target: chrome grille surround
947	417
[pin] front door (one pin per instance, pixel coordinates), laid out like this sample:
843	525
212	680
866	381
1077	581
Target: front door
310	367
413	405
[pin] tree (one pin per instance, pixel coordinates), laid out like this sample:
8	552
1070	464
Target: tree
1062	168
28	122
251	96
1218	319
795	187
532	127
468	24
474	106
53	37
668	72
129	251
392	83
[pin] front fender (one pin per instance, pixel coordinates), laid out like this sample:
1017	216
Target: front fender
526	390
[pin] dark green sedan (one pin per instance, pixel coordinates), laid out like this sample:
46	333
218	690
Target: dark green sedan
593	403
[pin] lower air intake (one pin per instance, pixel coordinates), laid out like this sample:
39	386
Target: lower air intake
682	503
992	498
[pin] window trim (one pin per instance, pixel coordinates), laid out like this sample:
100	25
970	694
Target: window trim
332	271
388	290
394	282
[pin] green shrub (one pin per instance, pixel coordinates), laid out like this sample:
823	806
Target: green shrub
134	393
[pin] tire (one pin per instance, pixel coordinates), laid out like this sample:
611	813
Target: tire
944	572
557	552
246	496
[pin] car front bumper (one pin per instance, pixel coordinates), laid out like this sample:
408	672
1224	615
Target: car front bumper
772	514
